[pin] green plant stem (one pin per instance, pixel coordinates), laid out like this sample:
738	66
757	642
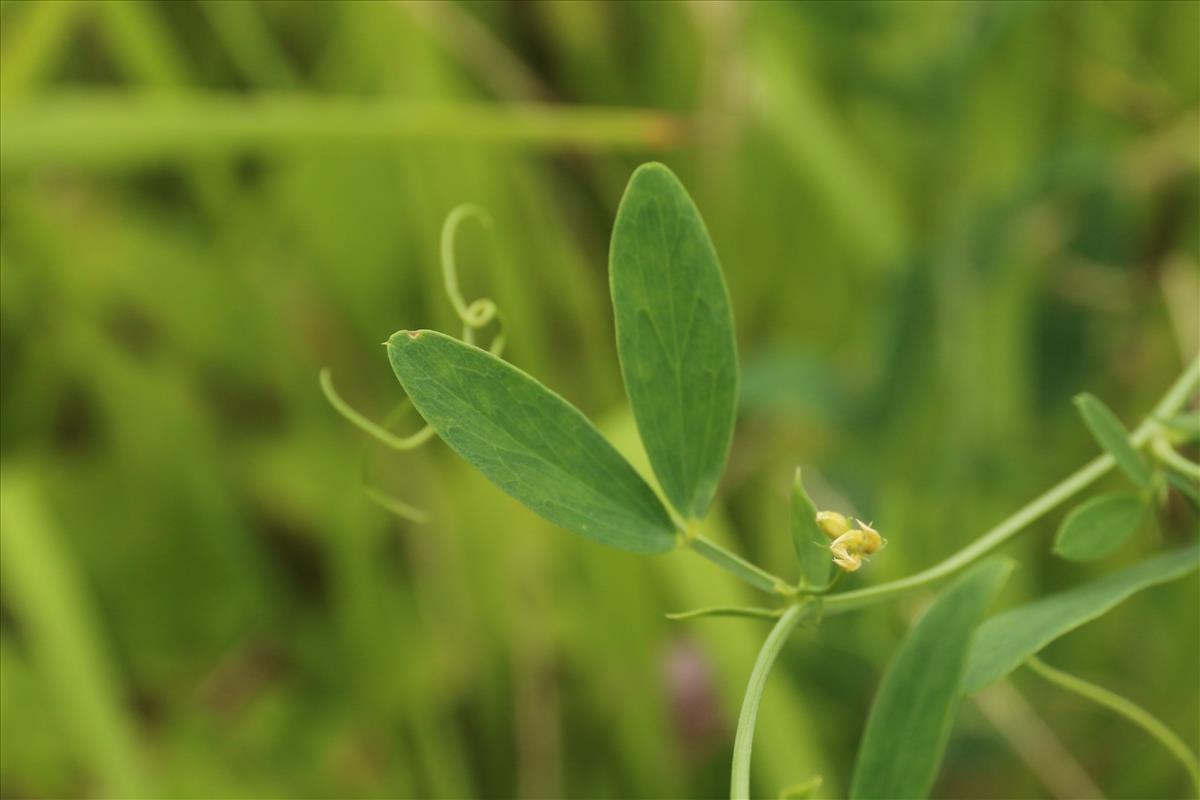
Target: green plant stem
1168	457
743	743
743	569
1126	708
1171	402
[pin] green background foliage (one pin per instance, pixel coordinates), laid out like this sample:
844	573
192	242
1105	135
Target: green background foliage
938	223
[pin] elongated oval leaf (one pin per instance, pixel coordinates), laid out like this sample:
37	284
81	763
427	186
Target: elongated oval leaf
1006	640
1099	526
529	441
812	546
909	723
674	336
1113	437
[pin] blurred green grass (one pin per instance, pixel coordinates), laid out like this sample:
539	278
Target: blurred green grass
938	222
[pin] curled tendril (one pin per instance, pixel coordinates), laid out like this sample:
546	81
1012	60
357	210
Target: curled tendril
373	429
476	315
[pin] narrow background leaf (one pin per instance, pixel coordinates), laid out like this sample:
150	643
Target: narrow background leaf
1113	437
1099	526
1006	640
812	546
910	720
748	612
530	442
675	336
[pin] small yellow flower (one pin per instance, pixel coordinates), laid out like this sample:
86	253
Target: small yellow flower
847	550
832	523
872	541
851	548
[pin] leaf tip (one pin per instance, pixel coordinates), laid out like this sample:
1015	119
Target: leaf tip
651	170
401	337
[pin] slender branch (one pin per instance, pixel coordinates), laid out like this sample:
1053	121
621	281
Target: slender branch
743	743
1171	402
1170	458
731	562
1126	708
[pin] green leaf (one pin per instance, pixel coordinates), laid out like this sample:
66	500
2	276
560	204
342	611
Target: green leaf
811	543
1113	437
530	442
674	336
1099	526
909	723
728	611
1006	640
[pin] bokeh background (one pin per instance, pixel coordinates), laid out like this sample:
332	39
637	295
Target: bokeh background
938	223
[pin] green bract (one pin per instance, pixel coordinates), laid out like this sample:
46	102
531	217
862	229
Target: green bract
1099	526
910	721
674	336
1006	640
810	542
529	441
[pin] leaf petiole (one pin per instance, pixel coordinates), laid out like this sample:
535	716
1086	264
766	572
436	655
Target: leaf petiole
731	562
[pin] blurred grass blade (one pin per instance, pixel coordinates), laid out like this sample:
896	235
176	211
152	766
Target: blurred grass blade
119	131
1007	640
530	442
141	44
242	28
1113	437
396	506
728	611
48	601
812	546
819	149
675	336
1097	527
909	723
32	45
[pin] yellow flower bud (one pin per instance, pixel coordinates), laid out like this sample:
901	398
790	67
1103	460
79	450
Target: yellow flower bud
832	523
872	542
